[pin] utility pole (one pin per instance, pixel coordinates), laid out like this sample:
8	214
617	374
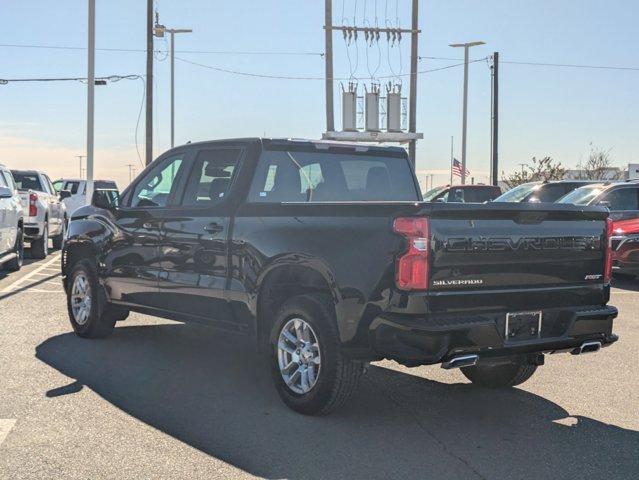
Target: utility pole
466	47
149	82
412	108
80	157
90	102
131	167
159	31
494	146
328	51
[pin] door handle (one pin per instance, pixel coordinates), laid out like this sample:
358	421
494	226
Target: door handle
214	228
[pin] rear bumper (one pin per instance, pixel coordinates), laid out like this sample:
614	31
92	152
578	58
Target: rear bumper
421	341
33	231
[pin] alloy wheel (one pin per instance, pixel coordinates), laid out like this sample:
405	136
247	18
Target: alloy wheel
298	355
81	299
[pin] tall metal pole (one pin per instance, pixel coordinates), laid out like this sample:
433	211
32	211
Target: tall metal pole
149	82
328	60
451	160
172	89
465	116
412	108
494	164
90	102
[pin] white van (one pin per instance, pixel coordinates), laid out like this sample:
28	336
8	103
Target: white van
78	189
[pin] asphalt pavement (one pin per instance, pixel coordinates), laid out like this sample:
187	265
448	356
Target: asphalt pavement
160	399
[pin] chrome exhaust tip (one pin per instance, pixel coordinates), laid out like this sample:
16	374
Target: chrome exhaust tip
587	347
461	361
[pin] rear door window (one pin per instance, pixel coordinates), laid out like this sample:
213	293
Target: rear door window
622	199
316	176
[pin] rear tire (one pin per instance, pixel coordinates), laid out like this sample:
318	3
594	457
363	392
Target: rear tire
16	264
87	313
500	376
330	376
40	246
58	240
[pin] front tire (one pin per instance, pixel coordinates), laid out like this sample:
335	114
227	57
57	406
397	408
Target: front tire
87	311
16	264
40	246
499	376
310	372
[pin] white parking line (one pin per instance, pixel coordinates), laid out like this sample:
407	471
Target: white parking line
28	276
6	424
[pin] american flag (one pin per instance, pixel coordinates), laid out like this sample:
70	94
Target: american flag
457	168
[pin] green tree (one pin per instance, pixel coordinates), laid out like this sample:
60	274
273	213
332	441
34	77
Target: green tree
538	170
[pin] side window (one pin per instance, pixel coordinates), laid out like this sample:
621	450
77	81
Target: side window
3	181
211	177
154	189
49	185
58	185
622	199
456	195
72	187
9	179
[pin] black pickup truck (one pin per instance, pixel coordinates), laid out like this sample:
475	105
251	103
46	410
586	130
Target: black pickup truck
326	255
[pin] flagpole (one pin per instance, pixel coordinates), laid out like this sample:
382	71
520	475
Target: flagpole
451	159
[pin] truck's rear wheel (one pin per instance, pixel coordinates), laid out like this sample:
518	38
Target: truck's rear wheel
40	246
89	315
16	264
499	376
311	374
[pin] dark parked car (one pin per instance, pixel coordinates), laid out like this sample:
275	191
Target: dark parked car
463	194
541	192
622	198
324	253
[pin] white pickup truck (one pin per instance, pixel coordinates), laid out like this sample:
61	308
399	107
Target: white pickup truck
11	227
78	189
45	215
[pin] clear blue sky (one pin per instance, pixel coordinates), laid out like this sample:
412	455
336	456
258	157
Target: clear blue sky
544	110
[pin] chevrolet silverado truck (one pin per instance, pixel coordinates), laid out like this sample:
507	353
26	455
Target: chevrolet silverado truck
324	253
45	215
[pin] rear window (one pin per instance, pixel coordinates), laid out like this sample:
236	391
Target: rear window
480	194
302	176
27	181
105	185
583	195
519	193
549	192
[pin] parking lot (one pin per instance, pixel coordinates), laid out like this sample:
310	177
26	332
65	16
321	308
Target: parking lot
160	399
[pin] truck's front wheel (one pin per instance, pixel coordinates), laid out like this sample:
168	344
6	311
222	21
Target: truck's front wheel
499	376
311	374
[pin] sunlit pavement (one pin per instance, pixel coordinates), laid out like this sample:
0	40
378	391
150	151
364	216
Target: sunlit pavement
164	400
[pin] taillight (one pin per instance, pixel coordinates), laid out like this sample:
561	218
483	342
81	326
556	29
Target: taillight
608	255
33	204
626	227
412	266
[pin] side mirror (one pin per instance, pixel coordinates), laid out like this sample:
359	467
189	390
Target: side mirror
440	200
6	192
106	199
65	194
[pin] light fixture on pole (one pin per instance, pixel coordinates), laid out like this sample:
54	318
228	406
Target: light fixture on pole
466	47
159	32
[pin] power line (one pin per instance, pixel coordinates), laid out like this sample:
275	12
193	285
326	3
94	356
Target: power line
542	64
291	77
110	78
136	50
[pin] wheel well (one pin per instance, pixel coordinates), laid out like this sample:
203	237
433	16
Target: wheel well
281	284
73	254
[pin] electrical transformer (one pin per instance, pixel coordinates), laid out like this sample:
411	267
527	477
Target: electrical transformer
372	109
349	108
394	111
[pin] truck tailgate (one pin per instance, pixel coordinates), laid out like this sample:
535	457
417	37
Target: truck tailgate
515	246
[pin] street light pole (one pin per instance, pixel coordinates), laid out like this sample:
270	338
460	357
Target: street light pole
173	31
466	47
90	102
